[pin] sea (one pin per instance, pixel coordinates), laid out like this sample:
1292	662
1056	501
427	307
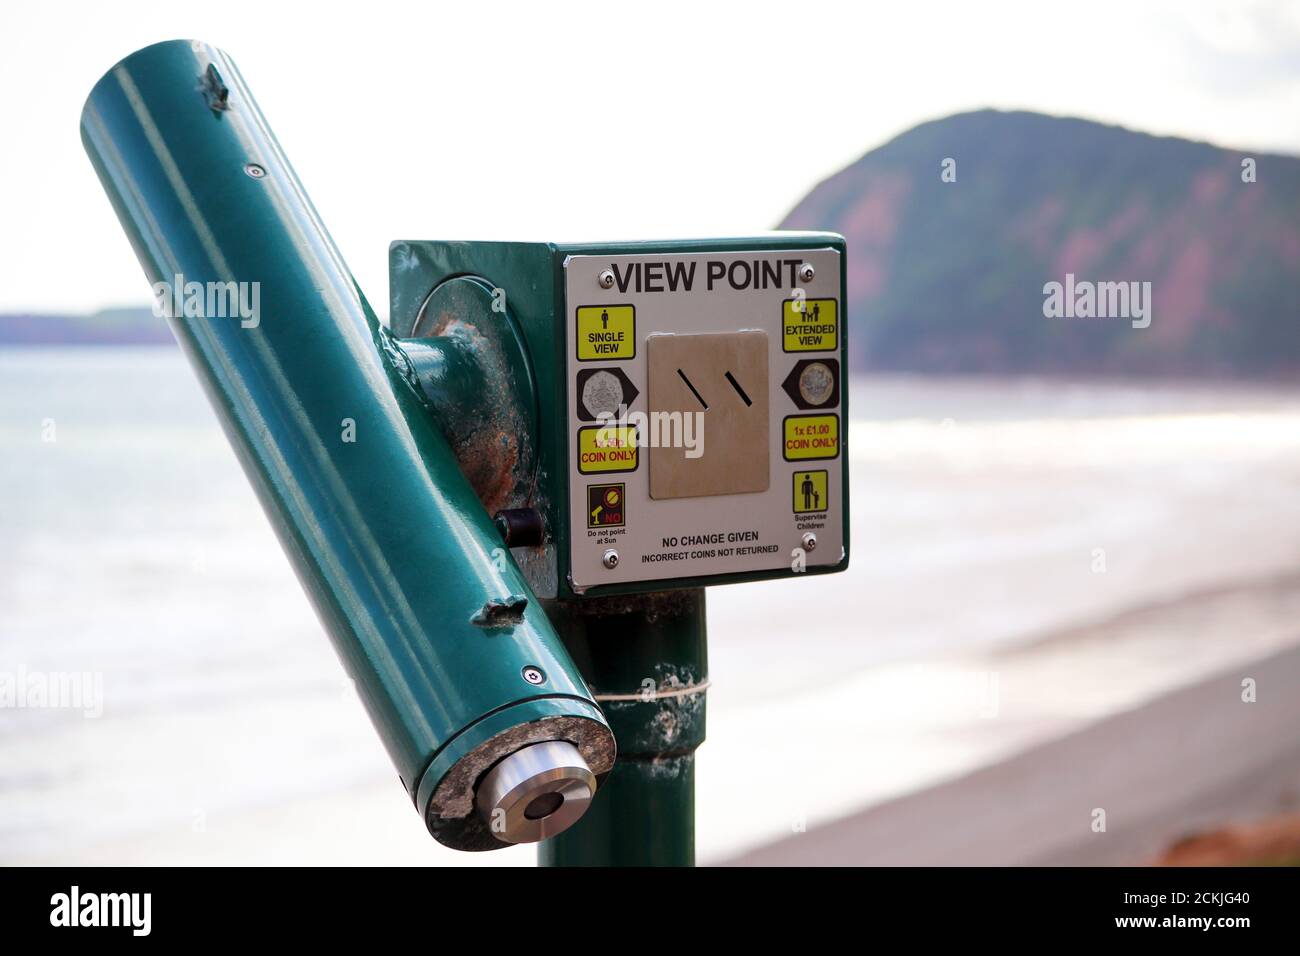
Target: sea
195	712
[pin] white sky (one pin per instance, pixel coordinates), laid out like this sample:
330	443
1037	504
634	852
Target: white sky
487	120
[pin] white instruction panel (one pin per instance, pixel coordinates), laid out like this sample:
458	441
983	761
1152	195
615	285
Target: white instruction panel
706	428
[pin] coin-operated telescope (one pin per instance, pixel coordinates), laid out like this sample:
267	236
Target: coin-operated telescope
505	506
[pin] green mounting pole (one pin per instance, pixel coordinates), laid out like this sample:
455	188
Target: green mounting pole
645	658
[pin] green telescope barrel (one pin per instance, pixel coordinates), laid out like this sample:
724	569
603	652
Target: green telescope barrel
457	664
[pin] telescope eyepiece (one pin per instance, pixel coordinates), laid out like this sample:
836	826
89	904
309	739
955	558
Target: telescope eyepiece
536	792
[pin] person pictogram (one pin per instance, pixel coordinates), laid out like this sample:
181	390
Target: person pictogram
604	318
811	499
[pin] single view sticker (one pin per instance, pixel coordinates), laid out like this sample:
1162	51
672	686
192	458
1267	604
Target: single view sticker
606	332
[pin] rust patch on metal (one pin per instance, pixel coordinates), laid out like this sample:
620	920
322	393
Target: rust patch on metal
501	612
487	448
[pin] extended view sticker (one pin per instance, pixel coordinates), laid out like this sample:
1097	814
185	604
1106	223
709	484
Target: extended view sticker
809	325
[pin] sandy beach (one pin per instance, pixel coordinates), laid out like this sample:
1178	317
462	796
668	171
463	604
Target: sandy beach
1170	765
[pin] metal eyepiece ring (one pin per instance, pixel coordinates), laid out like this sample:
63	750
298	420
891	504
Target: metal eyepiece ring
536	792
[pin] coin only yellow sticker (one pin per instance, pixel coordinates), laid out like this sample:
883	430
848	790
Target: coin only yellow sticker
606	332
605	448
810	437
809	325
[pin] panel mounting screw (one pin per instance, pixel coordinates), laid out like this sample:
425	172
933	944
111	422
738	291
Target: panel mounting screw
810	542
534	675
610	560
254	170
606	279
806	272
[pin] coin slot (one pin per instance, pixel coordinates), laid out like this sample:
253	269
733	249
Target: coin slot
739	391
698	397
